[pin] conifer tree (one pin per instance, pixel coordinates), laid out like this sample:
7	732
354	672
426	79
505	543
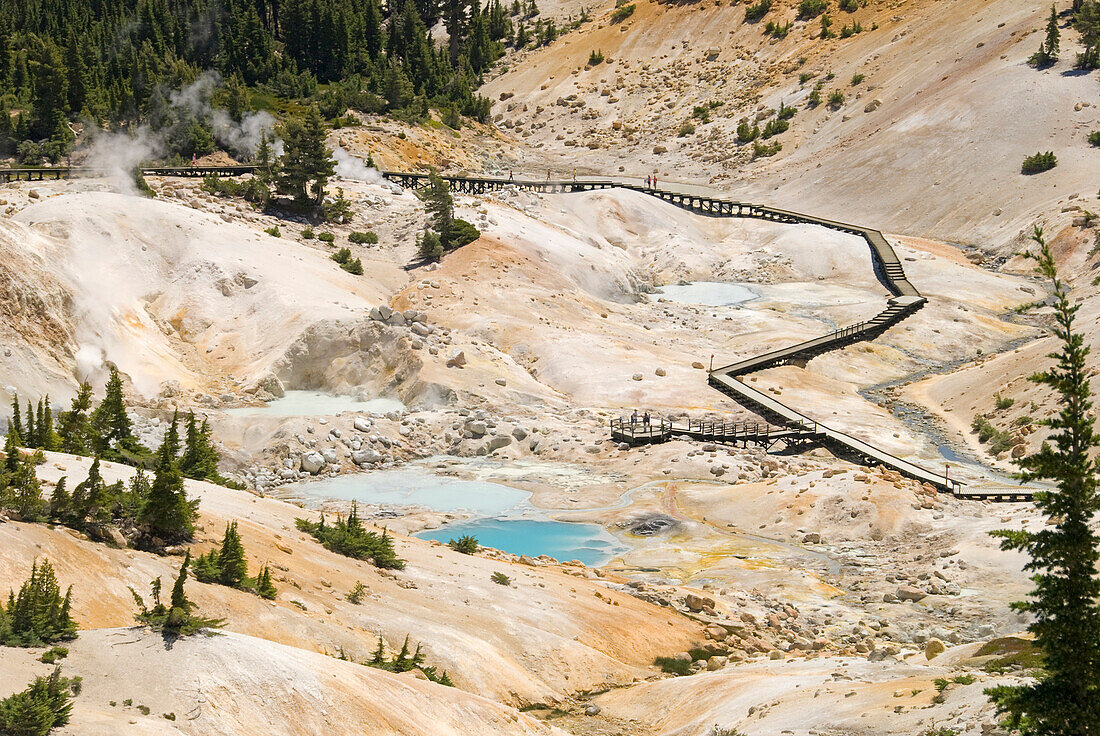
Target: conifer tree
200	459
60	501
167	514
45	705
231	560
88	496
265	588
26	492
1048	49
440	205
306	163
11	451
110	420
74	426
38	614
15	423
1064	697
30	438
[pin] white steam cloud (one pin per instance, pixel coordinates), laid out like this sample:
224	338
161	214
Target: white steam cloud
350	167
242	138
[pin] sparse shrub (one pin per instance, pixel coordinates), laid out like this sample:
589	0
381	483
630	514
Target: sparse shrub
46	704
367	238
777	30
1094	137
701	113
849	6
851	29
326	237
836	99
939	730
814	98
785	111
757	11
307	233
466	544
179	617
338	209
53	654
595	58
341	256
775	126
356	594
273	231
999	440
622	12
812	8
856	79
500	578
763	150
673	666
685	130
405	660
354	267
169	716
1003	402
805	77
826	27
1039	163
348	537
745	133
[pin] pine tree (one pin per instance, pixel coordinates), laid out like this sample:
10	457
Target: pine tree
379	656
264	587
167	515
74	426
39	614
231	560
440	205
306	163
1064	698
110	420
200	459
1048	49
15	423
88	496
30	439
11	451
60	501
429	247
26	492
47	437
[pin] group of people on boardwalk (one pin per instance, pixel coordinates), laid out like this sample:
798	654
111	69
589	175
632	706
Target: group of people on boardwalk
635	420
651	181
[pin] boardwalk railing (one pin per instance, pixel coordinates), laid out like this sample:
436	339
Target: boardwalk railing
72	172
887	268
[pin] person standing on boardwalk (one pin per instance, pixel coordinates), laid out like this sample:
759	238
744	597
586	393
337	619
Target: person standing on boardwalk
548	175
645	420
634	418
574	175
510	177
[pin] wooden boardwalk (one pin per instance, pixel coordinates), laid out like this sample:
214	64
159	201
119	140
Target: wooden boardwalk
905	299
790	426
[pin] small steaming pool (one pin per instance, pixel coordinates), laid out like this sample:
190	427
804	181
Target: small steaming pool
507	520
707	293
316	403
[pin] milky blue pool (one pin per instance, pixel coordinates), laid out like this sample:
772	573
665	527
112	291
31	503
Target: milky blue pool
589	543
316	404
707	293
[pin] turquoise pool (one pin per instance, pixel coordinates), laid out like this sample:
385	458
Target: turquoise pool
589	543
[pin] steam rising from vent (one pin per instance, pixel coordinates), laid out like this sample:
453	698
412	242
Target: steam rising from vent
241	138
119	154
350	167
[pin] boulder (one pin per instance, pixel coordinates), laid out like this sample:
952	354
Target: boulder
716	632
592	709
421	329
697	602
367	456
330	455
361	424
313	462
457	359
498	441
519	433
477	428
716	662
812	538
934	648
909	593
